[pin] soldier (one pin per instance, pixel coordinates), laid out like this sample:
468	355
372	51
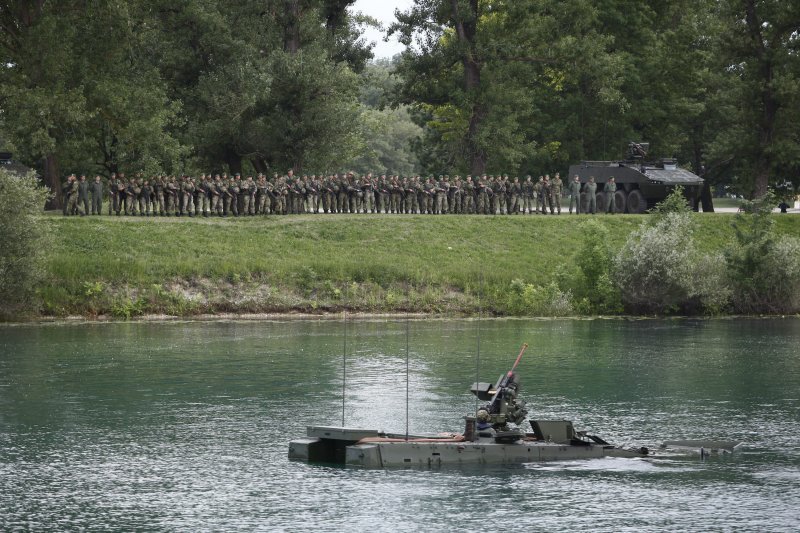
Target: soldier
314	188
244	193
456	191
591	195
97	196
132	194
158	196
468	196
440	195
233	194
122	195
537	194
382	195
483	196
112	193
283	195
70	189
328	195
83	195
369	194
575	195
515	192
137	189
429	188
610	190
547	195
171	197
527	192
261	195
495	188
205	195
341	193
555	187
147	197
187	189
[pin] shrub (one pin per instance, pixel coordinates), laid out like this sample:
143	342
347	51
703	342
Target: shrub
23	240
591	282
675	202
534	300
764	270
659	270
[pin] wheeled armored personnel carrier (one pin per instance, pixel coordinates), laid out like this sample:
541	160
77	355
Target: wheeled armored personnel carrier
641	184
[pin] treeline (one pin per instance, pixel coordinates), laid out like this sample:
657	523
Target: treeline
519	87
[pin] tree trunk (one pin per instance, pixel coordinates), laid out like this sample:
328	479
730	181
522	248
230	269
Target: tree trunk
233	160
291	29
466	30
769	104
52	180
706	199
259	165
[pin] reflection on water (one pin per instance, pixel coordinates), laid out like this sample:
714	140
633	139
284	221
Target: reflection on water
141	426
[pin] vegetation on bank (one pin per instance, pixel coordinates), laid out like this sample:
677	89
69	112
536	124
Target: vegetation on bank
23	240
511	265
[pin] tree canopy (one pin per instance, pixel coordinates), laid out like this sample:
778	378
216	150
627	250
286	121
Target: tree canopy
522	86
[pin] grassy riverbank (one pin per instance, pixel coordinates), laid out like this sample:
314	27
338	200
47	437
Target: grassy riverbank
124	266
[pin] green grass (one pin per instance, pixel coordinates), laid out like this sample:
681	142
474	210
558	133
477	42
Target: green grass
125	266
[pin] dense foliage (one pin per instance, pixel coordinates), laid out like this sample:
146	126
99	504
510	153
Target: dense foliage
522	86
23	239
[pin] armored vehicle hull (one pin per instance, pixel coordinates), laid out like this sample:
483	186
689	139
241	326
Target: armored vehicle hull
640	185
371	449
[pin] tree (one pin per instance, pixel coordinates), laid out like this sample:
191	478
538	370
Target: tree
23	239
758	55
488	79
92	102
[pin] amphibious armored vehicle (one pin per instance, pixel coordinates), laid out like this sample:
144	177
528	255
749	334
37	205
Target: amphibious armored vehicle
641	184
492	436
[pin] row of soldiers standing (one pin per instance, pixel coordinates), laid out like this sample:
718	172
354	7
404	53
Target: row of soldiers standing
338	193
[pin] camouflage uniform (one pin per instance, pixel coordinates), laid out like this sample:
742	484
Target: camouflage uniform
556	187
537	194
527	195
468	196
158	190
188	197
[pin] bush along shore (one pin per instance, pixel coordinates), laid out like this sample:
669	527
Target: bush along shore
668	262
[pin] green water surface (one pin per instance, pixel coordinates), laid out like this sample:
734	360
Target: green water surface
185	425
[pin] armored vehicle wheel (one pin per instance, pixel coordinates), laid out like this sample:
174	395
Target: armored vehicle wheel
600	198
636	202
619	201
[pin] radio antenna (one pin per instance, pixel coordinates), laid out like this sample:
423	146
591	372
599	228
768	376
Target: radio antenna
407	373
344	364
478	335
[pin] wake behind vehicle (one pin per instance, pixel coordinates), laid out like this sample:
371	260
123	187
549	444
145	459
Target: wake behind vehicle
641	184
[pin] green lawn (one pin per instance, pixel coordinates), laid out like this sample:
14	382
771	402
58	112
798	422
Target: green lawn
125	266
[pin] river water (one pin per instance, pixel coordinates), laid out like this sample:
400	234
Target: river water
184	425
